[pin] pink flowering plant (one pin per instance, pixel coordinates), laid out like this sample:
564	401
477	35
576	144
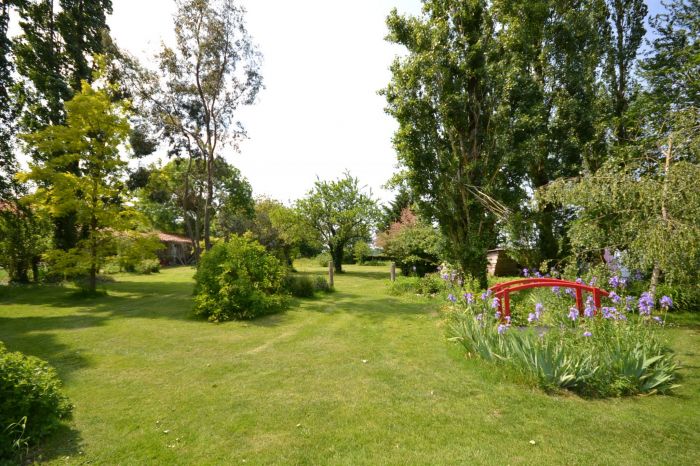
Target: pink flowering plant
615	350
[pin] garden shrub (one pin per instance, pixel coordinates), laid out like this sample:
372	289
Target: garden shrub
323	259
31	402
299	286
686	298
428	285
147	266
238	279
321	284
613	351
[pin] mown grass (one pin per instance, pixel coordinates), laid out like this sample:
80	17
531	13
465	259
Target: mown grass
353	377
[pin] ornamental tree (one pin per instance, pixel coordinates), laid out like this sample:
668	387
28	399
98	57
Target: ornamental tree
341	214
89	140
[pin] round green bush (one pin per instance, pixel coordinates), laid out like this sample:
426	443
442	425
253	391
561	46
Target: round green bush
238	280
31	402
299	286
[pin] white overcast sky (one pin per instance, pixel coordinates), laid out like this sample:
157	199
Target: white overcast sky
319	113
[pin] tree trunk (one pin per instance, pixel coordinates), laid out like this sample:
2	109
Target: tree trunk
337	255
35	268
208	203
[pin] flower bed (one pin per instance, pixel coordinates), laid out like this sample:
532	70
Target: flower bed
616	350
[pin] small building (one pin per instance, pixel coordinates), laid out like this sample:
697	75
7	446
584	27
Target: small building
500	264
178	249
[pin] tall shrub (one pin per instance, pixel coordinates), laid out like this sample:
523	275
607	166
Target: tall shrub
238	279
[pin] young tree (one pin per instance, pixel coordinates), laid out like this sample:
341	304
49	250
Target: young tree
341	214
201	84
413	243
90	140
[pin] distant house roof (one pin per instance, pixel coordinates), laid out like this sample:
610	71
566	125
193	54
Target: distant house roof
170	238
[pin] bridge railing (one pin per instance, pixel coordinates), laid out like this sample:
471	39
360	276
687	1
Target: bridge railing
503	290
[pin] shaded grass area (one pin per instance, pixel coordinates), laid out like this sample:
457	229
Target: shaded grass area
352	377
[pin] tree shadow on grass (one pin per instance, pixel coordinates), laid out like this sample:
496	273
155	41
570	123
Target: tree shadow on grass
65	443
64	358
169	300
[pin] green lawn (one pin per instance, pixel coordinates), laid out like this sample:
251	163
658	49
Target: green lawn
355	377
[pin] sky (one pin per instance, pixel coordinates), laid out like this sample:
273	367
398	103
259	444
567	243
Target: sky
319	114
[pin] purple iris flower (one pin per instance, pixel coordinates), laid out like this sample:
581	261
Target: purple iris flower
570	292
629	303
469	297
579	280
588	311
495	303
573	313
480	317
531	317
555	290
593	281
646	304
452	298
614	281
658	319
485	295
526	273
666	302
502	328
587	334
538	274
614	297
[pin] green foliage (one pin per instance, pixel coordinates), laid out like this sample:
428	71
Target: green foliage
299	286
201	83
321	284
238	279
413	244
323	259
340	213
137	252
428	285
277	227
686	296
609	354
32	404
95	128
24	236
361	251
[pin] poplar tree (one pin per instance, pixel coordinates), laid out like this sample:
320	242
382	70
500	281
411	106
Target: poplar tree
442	94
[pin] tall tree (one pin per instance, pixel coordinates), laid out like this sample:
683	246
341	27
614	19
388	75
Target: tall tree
54	54
201	84
8	105
341	214
553	51
442	94
627	33
90	140
647	204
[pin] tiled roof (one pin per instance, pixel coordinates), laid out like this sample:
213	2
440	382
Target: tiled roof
169	238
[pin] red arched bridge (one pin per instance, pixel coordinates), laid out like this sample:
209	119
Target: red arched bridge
503	290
